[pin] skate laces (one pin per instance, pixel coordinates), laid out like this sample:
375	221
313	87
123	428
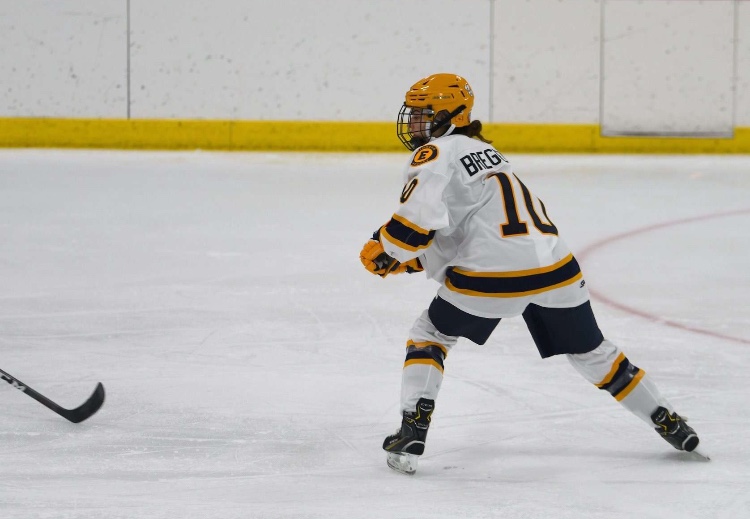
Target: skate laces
669	423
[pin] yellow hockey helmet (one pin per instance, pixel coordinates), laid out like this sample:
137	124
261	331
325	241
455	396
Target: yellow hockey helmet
431	103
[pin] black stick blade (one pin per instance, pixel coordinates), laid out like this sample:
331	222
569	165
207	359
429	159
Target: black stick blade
77	415
88	408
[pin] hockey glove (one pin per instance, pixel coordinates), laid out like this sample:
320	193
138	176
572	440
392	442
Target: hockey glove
410	267
375	260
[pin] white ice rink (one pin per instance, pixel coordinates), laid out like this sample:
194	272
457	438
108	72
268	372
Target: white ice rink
252	365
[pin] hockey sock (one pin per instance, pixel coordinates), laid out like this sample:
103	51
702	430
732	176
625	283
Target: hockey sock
423	373
610	370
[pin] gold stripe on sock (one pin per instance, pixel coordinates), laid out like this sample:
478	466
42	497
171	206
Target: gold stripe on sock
615	366
630	387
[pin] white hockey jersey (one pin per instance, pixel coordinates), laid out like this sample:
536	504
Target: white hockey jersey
478	230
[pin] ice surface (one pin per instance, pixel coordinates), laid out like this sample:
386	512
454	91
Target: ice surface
252	366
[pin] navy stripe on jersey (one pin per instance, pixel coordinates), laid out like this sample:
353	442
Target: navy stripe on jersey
407	235
514	284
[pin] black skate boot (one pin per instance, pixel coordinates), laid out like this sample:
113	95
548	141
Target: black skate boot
407	444
674	429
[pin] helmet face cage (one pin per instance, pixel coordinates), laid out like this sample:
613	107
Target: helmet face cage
414	126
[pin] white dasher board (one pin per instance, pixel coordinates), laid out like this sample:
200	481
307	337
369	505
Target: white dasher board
667	67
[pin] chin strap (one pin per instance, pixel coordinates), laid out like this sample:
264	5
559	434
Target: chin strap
448	120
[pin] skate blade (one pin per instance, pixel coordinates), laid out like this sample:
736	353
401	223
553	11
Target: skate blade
700	454
403	463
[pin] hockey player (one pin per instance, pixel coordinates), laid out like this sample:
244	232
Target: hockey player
472	225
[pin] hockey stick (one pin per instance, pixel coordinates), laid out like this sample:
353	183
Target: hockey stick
77	415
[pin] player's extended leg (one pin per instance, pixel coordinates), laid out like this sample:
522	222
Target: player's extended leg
420	383
610	370
574	332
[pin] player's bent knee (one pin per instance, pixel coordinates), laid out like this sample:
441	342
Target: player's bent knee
595	364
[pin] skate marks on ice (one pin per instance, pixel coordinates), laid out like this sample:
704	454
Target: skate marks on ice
253	372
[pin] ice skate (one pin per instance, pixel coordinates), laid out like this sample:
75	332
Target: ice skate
406	445
673	428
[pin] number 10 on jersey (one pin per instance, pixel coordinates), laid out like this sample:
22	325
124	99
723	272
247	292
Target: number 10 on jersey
513	225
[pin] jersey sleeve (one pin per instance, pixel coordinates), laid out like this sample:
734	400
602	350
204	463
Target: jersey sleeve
412	227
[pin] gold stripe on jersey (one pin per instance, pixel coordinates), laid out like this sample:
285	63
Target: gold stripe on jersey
407	235
514	283
517	273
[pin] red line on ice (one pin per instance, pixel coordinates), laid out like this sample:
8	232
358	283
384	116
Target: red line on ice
641	313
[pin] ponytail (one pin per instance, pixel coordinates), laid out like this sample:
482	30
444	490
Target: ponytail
474	130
